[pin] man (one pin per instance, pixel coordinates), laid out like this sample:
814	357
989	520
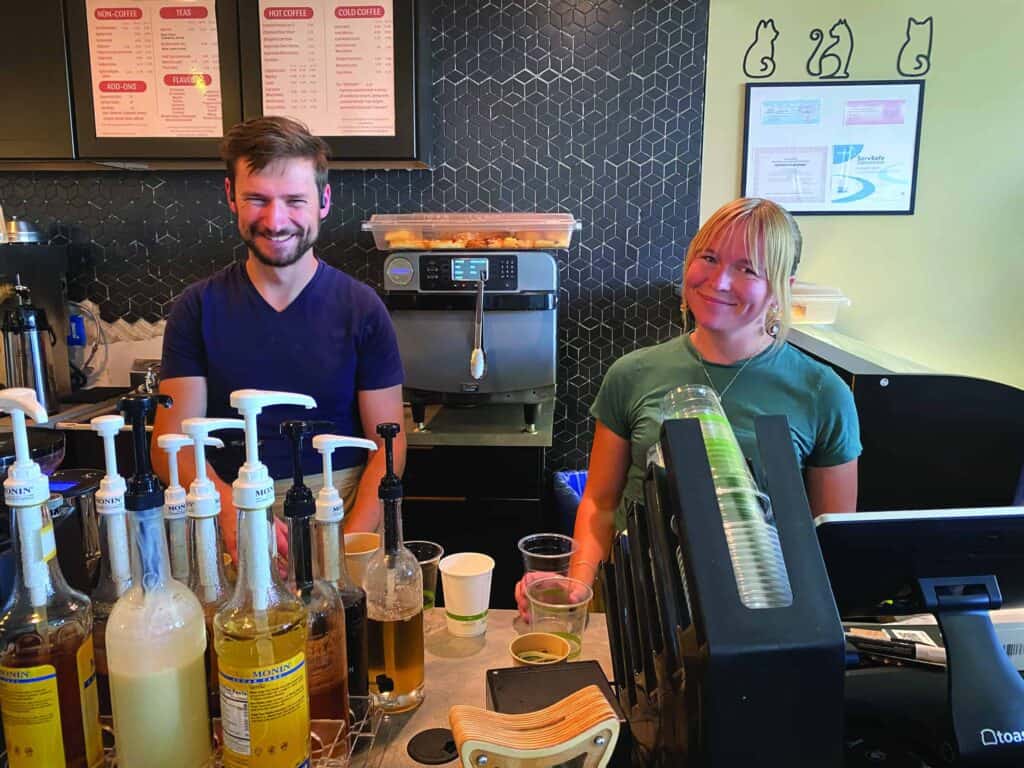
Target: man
283	320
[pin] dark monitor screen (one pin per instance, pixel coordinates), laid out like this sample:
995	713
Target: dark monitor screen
874	559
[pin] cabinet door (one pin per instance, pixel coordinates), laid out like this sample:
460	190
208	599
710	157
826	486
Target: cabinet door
34	84
490	526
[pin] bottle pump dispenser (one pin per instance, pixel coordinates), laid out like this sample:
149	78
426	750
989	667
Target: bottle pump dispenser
260	633
394	602
156	637
326	650
115	560
329	562
175	503
203	544
50	708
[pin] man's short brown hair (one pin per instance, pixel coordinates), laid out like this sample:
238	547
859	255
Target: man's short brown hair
263	140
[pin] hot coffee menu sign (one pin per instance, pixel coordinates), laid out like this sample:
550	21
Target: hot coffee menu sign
155	68
330	64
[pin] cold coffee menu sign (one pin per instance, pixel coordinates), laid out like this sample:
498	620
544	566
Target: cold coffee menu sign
155	68
330	64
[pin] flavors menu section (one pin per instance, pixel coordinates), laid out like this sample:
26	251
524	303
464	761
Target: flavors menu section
330	64
155	68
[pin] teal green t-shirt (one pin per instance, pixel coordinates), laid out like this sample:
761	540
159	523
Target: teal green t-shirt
781	380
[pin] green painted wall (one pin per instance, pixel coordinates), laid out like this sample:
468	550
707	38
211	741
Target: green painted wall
944	287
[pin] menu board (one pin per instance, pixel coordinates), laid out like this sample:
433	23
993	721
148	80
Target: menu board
330	64
155	68
844	147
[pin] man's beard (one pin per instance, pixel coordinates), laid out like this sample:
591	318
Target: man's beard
306	240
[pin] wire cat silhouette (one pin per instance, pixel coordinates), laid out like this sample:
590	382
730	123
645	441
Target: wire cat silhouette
759	60
915	56
837	54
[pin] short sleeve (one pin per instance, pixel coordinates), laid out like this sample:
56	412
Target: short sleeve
611	406
184	352
379	363
838	437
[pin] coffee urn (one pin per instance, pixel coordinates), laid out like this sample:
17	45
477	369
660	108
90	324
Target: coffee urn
28	338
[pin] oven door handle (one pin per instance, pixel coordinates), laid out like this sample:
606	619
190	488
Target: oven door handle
477	359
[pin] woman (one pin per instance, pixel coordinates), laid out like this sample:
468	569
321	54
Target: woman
736	299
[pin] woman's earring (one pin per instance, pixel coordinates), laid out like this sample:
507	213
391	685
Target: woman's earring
772	323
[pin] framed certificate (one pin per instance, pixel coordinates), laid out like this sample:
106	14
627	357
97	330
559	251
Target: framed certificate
833	148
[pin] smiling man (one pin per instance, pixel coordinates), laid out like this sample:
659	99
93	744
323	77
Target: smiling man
283	320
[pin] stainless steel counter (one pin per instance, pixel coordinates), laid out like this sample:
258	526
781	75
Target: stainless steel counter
454	671
479	426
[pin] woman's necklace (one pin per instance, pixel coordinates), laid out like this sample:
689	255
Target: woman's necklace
700	359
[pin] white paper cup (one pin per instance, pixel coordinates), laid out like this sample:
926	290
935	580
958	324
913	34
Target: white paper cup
466	577
359	548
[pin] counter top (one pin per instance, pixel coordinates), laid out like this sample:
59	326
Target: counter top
480	425
454	670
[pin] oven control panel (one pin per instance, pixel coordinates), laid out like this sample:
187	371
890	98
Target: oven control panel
455	272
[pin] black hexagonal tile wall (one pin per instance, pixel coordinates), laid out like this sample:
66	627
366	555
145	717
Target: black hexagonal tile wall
593	108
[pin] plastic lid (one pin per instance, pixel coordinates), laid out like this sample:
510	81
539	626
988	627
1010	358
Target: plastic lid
803	290
486	221
26	484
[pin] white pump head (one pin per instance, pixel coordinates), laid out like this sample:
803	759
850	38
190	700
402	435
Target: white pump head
203	499
174	495
254	488
25	490
329	506
26	485
110	496
110	501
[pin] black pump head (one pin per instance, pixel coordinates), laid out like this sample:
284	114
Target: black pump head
390	485
299	502
144	489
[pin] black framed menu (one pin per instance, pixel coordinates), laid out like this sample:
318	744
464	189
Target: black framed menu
154	79
357	72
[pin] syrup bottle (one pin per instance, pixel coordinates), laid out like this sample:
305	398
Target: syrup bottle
48	699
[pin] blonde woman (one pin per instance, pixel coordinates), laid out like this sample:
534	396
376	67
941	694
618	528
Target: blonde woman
736	302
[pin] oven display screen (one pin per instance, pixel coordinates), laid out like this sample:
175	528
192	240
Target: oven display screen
469	270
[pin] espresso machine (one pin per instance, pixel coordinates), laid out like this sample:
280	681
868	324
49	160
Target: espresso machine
475	325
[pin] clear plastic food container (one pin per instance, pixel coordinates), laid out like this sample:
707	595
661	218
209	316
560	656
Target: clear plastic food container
816	304
471	231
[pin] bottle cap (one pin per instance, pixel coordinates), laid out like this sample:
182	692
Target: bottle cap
202	499
26	484
329	506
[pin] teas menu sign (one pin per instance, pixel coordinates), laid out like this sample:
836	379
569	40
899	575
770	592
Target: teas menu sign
155	68
330	64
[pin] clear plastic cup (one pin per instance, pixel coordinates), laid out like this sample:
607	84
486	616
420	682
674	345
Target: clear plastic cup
549	552
428	554
559	605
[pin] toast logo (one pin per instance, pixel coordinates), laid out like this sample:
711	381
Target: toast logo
993	738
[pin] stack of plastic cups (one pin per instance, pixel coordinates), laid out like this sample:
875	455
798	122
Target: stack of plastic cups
760	570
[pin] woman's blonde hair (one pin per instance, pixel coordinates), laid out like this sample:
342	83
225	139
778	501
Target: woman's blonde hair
773	242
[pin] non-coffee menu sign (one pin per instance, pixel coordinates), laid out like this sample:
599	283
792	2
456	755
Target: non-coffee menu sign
330	64
155	68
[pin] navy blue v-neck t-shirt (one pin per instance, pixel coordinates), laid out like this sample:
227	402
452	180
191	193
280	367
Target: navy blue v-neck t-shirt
332	341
